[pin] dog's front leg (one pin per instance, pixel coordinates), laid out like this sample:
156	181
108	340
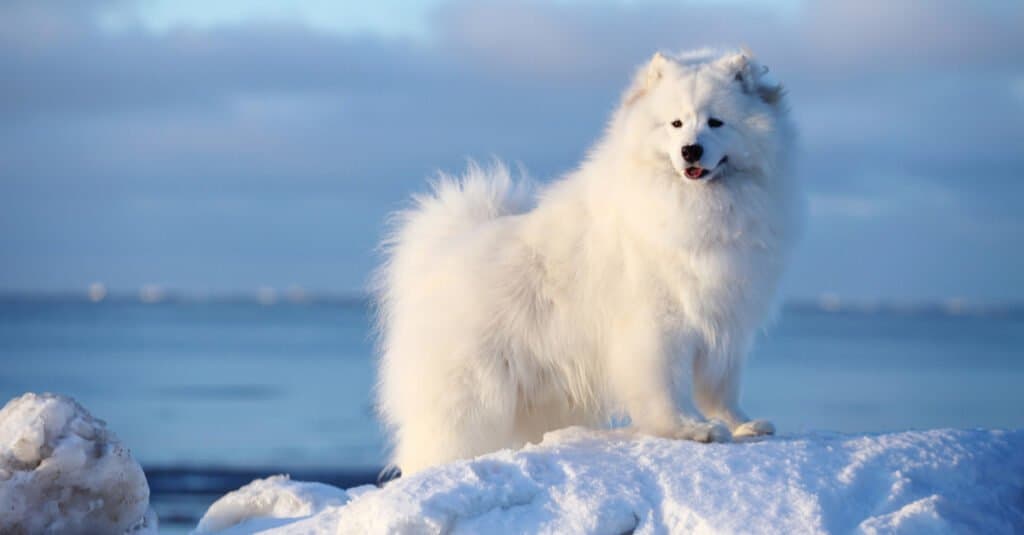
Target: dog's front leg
645	382
717	392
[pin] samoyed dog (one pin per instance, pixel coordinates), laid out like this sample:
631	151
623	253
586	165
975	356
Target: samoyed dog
630	287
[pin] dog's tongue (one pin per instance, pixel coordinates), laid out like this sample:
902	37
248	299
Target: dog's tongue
694	172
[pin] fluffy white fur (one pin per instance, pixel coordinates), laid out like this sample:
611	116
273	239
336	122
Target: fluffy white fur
625	288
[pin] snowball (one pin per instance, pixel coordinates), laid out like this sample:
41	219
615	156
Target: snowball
586	481
63	471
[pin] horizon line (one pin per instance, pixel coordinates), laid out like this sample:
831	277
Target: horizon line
266	296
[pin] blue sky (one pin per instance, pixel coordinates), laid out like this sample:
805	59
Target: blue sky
222	146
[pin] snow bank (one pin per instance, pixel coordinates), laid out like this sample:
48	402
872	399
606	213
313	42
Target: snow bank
268	500
63	471
584	481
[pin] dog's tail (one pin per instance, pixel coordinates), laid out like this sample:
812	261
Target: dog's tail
455	207
459	204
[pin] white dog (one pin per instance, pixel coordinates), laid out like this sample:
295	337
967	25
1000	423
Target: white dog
632	286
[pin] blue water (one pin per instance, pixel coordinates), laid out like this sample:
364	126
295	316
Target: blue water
289	385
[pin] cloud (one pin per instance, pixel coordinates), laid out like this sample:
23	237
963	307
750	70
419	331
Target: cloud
822	40
899	105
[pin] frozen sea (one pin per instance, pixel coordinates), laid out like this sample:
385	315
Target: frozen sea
211	394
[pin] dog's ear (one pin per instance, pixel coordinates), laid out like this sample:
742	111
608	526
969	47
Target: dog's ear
753	77
656	69
648	76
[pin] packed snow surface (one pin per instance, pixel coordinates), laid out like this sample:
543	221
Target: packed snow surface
586	481
269	500
63	471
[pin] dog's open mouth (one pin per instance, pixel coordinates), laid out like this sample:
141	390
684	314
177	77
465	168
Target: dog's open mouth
696	172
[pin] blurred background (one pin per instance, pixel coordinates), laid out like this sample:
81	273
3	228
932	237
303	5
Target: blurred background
191	193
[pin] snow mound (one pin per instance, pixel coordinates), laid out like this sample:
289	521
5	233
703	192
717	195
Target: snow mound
63	471
586	481
275	497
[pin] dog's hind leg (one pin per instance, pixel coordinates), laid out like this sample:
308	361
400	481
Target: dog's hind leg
457	415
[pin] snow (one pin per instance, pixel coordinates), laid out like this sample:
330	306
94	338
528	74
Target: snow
63	471
268	499
586	481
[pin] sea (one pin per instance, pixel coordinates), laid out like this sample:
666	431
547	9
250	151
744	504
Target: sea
209	394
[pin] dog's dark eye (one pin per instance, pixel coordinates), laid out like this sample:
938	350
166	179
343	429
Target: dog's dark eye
714	123
677	123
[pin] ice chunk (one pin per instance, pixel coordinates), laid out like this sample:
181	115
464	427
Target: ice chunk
63	471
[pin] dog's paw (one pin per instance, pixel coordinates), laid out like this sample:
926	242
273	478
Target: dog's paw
754	428
704	432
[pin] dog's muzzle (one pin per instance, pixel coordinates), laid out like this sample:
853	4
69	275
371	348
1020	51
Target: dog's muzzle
696	172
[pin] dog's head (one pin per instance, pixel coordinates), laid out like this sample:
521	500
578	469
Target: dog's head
705	115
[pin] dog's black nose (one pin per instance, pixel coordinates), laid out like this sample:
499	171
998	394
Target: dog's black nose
692	153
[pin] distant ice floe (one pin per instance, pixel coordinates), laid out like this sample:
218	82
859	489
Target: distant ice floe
611	482
97	292
62	471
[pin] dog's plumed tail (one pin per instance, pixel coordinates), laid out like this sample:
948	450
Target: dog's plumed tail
458	204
